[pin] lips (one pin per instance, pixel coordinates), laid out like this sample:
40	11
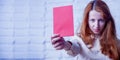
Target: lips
96	30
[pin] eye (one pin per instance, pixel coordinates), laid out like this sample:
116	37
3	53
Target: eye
101	20
92	20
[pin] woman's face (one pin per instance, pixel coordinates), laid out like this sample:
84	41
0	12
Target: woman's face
96	22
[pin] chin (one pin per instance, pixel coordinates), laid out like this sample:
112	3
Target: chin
96	33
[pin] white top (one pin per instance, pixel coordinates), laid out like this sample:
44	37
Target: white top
81	51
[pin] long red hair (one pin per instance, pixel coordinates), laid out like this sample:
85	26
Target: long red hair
108	39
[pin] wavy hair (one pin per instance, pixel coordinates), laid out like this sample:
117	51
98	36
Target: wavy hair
108	39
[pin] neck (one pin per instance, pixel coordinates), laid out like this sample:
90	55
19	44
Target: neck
97	36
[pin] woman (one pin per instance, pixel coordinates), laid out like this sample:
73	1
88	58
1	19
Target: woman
97	37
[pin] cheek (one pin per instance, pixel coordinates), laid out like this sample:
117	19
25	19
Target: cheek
90	25
102	25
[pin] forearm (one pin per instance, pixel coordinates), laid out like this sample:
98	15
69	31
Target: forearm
72	48
68	45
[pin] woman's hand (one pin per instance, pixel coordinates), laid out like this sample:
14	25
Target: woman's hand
58	42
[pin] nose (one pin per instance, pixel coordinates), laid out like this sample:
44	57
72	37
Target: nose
97	24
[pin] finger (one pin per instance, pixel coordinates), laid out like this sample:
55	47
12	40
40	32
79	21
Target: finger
58	44
54	36
55	40
59	47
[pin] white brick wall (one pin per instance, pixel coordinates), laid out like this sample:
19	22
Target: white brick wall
26	27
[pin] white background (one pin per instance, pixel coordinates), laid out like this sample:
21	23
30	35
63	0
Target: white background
27	25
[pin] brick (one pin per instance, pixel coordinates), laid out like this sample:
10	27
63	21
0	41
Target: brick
38	3
39	55
6	55
21	32
21	40
6	25
6	48
6	40
59	1
52	54
20	47
37	40
19	55
36	47
6	32
36	32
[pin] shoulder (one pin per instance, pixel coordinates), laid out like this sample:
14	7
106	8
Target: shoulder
76	38
118	43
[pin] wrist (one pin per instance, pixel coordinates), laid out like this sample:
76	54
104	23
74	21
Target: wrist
68	45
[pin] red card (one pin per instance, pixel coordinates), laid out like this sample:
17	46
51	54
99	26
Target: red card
63	20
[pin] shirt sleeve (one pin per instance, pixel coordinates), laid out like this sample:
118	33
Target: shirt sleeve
118	44
75	48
